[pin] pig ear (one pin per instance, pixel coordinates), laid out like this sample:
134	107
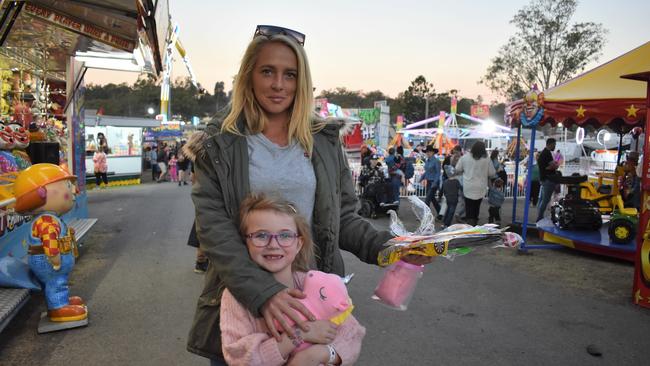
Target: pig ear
42	192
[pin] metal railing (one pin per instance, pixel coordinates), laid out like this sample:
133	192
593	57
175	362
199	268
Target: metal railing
417	189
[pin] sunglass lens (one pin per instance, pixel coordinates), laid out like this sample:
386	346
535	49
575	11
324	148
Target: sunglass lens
271	30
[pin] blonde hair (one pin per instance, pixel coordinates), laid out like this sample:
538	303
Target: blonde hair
260	201
243	99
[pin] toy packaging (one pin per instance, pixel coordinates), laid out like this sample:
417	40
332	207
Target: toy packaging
400	278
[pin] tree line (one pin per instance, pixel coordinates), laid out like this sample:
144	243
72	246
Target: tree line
186	101
135	100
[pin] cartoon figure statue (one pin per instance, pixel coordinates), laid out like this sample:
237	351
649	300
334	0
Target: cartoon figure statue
47	191
21	141
7	161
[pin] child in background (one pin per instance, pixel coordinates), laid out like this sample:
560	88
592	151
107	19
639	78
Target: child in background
495	200
100	167
173	171
451	189
279	241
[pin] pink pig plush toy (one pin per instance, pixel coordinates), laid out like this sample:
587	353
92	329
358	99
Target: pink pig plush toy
327	298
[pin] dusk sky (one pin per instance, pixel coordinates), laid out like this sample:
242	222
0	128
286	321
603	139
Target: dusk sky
378	45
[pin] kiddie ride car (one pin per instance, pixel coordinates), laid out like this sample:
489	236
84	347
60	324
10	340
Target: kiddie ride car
572	211
583	206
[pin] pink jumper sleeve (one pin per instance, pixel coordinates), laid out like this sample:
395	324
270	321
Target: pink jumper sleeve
244	338
347	342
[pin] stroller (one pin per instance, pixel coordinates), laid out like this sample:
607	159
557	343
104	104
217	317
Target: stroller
375	193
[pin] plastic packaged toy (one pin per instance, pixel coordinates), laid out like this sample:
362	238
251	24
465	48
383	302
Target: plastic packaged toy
442	242
400	278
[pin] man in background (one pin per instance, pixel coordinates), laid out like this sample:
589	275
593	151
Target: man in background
547	167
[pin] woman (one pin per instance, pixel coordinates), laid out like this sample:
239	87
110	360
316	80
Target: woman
366	153
498	166
102	143
183	166
163	158
476	169
269	141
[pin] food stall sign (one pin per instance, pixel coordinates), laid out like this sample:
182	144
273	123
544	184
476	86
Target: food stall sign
80	27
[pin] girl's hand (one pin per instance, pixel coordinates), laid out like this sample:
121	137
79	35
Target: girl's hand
315	355
283	304
417	259
320	332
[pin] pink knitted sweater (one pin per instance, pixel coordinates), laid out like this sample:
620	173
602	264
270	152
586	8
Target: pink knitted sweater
246	340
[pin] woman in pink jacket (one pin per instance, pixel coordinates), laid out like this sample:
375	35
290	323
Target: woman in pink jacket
101	167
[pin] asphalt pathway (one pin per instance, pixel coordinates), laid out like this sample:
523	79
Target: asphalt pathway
492	306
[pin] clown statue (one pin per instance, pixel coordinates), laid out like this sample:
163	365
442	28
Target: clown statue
7	142
47	191
21	141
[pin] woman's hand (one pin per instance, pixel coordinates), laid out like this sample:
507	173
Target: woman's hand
417	259
320	332
315	355
285	304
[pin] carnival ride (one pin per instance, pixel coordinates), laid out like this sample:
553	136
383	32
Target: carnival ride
443	136
572	211
599	97
585	204
173	42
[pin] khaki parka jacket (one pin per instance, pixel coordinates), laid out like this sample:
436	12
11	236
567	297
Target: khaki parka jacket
221	184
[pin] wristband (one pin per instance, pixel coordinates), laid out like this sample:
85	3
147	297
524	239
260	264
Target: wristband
332	358
296	340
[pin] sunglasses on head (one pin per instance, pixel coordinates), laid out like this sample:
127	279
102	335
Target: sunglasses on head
272	30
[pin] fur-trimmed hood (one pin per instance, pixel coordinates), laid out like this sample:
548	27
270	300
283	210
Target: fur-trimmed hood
331	127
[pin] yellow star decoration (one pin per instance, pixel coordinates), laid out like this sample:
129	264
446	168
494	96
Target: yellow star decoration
580	111
637	297
631	112
24	243
646	206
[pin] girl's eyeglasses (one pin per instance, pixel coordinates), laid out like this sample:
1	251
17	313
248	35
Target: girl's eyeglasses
260	239
272	30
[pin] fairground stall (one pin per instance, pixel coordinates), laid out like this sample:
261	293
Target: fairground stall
46	46
124	137
597	98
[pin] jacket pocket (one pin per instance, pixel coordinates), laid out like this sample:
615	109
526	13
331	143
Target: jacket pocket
211	297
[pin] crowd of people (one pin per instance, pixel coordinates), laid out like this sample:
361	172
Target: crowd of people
169	163
470	176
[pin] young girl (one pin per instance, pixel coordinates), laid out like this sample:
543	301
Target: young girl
173	172
278	240
101	167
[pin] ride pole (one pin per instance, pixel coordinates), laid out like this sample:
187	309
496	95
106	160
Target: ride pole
515	184
620	149
529	170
